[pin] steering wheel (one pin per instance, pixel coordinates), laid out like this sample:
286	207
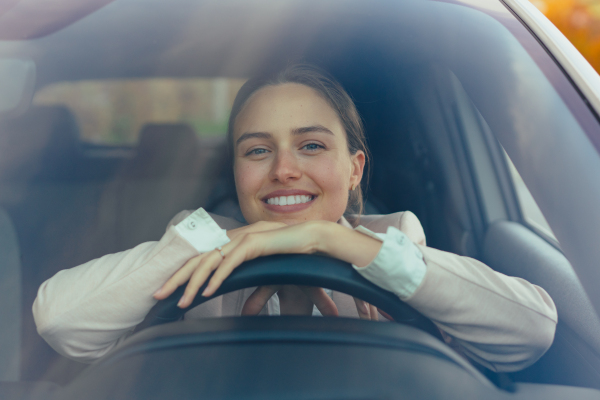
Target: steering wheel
297	269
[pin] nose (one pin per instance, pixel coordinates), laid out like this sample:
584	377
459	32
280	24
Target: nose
285	167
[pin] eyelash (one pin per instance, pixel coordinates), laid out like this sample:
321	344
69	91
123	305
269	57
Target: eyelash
319	146
260	150
254	152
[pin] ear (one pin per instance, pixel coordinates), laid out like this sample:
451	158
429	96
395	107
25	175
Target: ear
358	165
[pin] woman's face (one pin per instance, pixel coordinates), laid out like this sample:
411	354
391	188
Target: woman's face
292	162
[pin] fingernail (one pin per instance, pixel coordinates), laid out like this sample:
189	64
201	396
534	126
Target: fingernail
364	307
205	293
181	301
159	291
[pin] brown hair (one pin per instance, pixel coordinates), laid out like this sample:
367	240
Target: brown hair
328	88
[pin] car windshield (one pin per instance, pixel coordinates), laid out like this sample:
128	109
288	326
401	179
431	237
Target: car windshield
114	119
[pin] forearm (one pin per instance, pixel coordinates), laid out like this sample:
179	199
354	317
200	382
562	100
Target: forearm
345	244
83	312
504	323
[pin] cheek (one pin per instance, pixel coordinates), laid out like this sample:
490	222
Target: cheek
245	178
332	178
249	178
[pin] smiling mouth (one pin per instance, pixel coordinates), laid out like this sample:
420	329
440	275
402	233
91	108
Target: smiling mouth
289	200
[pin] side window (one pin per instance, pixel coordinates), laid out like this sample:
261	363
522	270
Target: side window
529	208
478	140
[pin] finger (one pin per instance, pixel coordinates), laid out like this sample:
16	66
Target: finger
323	302
236	252
258	299
362	308
231	262
386	315
179	278
373	312
199	276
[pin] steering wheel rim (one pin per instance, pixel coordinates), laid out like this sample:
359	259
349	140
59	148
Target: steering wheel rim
300	269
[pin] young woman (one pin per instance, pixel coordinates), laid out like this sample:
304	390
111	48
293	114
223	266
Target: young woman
298	158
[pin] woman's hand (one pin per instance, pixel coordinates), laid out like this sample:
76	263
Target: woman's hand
259	226
293	300
366	310
260	239
266	238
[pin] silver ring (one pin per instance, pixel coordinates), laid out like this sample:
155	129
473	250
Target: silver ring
220	250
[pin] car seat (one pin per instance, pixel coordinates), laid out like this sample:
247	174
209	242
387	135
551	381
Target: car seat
173	170
38	154
10	298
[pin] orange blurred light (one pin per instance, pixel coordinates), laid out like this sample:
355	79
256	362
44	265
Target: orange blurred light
579	21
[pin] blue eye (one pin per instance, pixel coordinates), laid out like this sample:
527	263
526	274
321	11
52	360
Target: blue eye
256	152
313	146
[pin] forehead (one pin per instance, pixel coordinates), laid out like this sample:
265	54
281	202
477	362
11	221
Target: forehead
284	107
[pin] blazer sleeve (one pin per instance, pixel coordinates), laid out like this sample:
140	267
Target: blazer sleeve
504	323
85	311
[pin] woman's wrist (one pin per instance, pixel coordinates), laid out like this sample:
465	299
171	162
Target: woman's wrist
343	243
321	234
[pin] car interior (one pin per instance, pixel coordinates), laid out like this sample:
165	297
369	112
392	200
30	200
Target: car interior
65	200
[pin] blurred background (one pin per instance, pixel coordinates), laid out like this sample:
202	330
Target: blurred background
579	21
113	112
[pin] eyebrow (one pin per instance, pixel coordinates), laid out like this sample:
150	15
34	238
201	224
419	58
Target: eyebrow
313	128
251	135
295	132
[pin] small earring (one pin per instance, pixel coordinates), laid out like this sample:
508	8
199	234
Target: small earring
353	187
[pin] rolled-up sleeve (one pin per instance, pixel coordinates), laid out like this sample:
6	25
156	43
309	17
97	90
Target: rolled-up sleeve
398	266
201	231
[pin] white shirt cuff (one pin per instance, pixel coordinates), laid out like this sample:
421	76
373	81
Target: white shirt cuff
398	267
202	232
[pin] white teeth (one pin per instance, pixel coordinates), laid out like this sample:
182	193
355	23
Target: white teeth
289	200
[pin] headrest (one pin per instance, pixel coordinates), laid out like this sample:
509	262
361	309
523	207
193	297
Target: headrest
38	143
166	138
165	149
